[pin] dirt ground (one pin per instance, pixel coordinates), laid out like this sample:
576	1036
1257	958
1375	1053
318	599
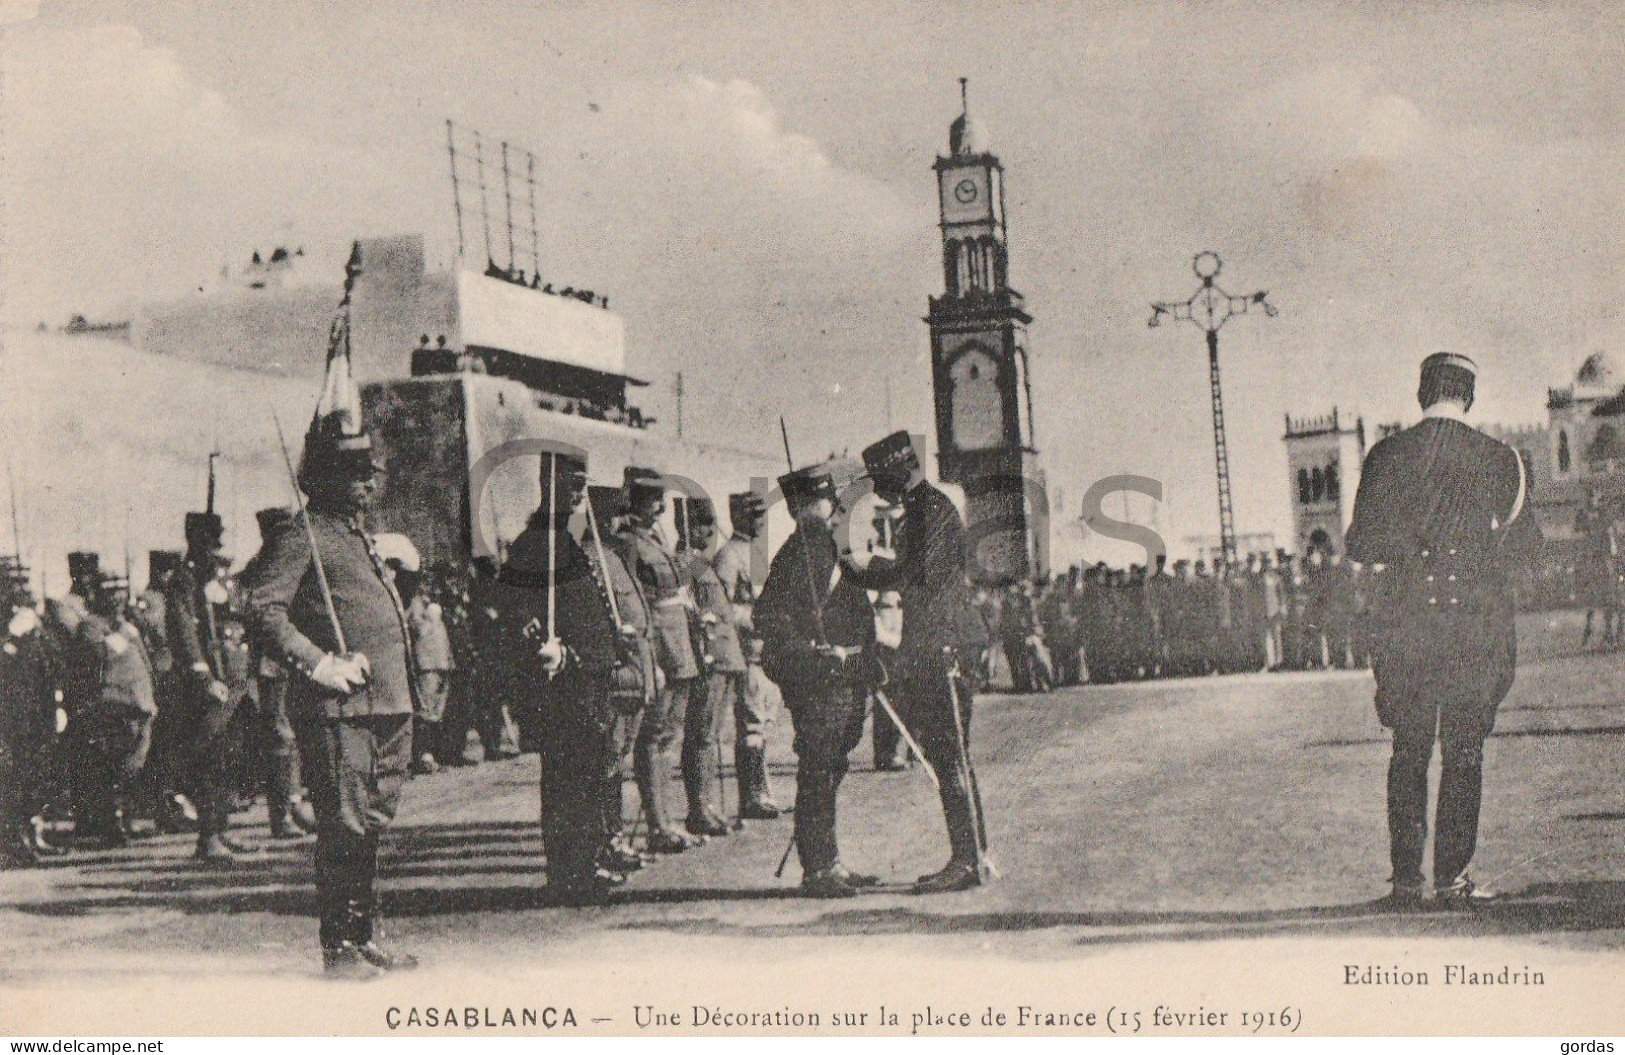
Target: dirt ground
1211	842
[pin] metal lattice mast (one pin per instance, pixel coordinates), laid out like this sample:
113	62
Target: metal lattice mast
1209	308
456	190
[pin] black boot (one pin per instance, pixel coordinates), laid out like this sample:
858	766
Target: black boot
963	870
361	913
279	799
755	801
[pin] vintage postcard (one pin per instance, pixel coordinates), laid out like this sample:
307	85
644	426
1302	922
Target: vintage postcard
570	519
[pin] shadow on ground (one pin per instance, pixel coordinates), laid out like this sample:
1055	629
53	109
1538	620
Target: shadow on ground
497	867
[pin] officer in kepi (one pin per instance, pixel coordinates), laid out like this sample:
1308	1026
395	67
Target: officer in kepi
1440	519
210	652
818	635
563	643
942	636
746	692
27	720
669	590
323	605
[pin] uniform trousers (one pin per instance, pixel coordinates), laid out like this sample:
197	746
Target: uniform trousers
279	748
928	689
706	699
1445	691
353	770
575	737
828	724
212	745
664	716
112	742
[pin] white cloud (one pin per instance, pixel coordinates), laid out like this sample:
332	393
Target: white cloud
125	174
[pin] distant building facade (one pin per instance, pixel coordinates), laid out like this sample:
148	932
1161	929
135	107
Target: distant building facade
1576	458
1323	455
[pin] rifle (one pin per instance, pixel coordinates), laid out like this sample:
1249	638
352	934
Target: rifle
310	535
16	528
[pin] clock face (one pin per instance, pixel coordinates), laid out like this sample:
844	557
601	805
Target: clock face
967	195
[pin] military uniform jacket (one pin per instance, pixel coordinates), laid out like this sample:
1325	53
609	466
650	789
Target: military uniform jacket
939	610
264	664
151	615
665	583
582	618
733	564
207	638
291	619
631	607
27	703
1440	506
711	597
117	661
808	600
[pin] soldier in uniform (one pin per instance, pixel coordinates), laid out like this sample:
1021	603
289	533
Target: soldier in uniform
112	725
562	640
744	691
1440	518
167	773
670	595
725	659
327	611
289	814
431	647
818	631
942	635
211	658
632	685
27	721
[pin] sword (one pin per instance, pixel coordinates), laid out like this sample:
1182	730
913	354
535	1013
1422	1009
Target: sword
984	861
908	738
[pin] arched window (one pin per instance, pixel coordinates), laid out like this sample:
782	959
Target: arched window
1305	495
1334	489
1605	447
978	405
1317	483
965	268
1563	456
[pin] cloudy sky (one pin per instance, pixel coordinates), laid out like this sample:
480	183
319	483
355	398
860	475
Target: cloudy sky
752	186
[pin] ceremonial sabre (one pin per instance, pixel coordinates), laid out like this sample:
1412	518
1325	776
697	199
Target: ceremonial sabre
310	534
552	545
908	739
984	862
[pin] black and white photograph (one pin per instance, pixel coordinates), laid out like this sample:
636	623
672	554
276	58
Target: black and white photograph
864	518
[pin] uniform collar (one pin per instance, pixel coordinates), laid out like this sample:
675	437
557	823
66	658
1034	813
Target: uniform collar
1447	410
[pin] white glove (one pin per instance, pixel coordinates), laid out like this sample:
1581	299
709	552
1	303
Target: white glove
342	674
22	622
219	690
61	721
552	655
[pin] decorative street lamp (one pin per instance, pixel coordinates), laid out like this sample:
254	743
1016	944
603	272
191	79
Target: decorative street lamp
1209	308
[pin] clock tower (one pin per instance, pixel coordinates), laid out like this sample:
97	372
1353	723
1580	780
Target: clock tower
979	365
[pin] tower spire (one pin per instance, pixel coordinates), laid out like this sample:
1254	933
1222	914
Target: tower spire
964	95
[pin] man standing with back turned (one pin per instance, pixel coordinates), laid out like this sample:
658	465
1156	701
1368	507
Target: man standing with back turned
1440	520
